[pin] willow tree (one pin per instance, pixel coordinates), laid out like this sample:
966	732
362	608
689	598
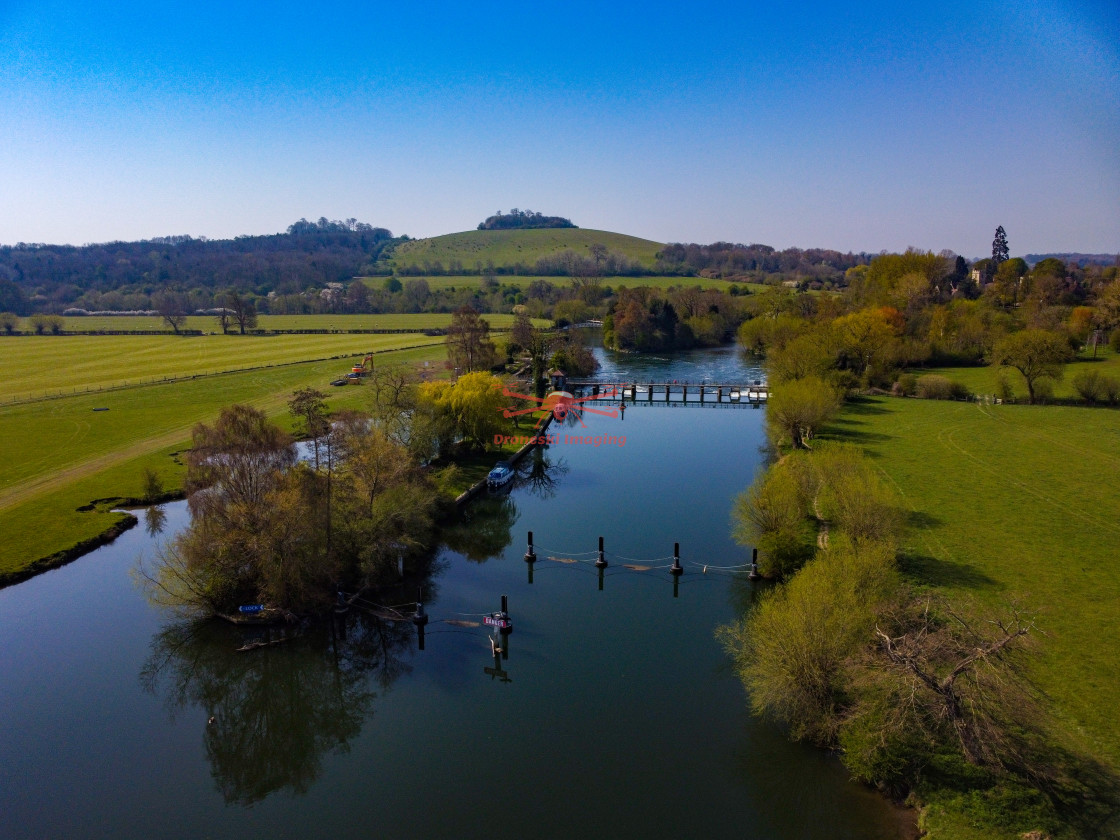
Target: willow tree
798	408
471	407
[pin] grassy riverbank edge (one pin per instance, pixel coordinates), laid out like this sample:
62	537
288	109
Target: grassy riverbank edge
90	497
994	495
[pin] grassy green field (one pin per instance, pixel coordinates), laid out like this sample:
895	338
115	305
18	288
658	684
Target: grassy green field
208	324
509	247
43	365
1016	503
985	380
473	281
60	454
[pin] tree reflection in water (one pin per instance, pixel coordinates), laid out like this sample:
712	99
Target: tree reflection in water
482	529
155	518
276	710
540	474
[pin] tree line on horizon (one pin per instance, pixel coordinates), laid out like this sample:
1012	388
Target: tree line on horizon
312	268
51	278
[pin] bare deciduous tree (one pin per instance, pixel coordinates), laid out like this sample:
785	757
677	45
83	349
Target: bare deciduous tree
241	309
173	308
469	346
966	679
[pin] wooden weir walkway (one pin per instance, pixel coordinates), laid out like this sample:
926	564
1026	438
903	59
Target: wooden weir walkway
693	393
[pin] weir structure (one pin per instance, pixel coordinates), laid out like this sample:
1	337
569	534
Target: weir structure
675	393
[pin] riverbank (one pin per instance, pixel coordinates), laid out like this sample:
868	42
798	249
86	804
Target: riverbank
517	455
64	508
1004	504
62	453
116	702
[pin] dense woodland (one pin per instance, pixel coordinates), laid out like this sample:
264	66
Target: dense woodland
124	275
814	266
913	309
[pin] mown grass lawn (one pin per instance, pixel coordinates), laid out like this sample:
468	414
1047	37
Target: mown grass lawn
41	365
985	380
1016	503
209	324
59	454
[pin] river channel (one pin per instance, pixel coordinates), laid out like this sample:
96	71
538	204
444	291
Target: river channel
613	712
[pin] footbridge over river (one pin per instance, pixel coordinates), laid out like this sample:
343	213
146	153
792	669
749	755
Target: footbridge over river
672	393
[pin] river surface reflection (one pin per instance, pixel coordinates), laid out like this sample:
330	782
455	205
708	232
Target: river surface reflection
609	711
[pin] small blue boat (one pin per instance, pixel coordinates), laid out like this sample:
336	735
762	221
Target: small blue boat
501	474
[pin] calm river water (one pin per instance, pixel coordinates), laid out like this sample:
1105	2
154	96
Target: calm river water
614	715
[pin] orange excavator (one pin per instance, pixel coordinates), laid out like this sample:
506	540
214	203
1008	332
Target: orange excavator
362	369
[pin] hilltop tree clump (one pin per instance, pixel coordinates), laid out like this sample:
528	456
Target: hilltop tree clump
523	219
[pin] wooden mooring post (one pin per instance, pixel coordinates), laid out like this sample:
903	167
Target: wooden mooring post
754	575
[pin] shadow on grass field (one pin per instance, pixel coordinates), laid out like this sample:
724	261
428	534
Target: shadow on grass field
854	427
934	571
1006	505
1016	502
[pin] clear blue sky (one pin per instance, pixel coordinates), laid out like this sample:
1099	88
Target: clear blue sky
857	126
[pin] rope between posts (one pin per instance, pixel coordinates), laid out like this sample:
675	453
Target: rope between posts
635	560
719	568
563	553
377	606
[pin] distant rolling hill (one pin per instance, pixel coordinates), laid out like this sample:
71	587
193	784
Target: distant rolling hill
515	250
